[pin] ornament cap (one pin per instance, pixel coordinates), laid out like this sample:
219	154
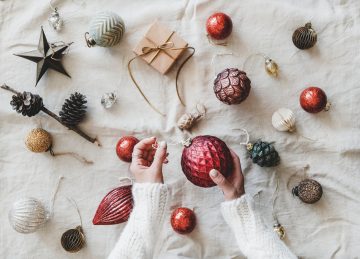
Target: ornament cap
327	106
295	191
90	42
249	146
187	142
308	25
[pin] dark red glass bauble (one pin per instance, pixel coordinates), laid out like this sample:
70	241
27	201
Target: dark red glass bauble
313	99
115	207
183	220
219	26
203	154
125	147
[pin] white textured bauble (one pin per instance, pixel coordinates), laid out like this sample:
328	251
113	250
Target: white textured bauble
106	30
27	215
284	120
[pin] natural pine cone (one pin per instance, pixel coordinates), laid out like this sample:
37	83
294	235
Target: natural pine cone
73	110
27	104
264	154
232	86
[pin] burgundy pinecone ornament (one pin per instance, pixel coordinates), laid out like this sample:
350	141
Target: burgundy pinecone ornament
202	154
115	207
232	86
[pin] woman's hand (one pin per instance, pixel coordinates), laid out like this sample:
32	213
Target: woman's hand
146	165
233	186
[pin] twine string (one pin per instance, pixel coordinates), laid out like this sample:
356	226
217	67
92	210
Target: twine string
74	204
56	189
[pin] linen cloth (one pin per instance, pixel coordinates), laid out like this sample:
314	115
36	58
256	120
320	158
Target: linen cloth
327	229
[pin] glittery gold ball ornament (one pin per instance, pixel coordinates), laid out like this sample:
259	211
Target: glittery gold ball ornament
38	140
73	240
308	191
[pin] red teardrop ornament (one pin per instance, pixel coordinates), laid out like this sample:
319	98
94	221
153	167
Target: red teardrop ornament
313	99
219	26
183	220
125	147
203	154
115	207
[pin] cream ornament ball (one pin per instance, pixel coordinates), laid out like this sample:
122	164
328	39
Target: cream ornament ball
106	30
284	120
27	215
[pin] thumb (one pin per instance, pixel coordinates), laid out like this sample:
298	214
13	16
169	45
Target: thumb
220	181
160	155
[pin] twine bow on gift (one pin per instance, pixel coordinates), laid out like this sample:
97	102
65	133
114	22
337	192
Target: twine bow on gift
168	45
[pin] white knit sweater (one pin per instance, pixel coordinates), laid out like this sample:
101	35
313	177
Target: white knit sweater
139	236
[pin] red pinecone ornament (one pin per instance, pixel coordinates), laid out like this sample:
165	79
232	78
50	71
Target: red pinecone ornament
232	86
115	207
125	147
219	26
313	100
183	220
203	154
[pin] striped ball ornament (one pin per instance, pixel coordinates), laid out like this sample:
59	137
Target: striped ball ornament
304	37
106	30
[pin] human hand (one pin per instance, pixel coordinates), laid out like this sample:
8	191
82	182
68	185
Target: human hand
147	161
233	186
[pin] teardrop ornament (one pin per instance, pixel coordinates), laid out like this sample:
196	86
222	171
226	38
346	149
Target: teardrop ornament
271	67
280	230
304	37
284	120
73	240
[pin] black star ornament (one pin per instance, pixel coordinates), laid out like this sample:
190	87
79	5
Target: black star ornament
46	56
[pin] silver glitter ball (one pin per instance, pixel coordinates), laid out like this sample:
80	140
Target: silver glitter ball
108	100
55	21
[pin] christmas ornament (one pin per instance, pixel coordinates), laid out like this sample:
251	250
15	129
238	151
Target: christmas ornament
313	100
115	207
219	26
55	21
38	141
106	30
283	120
73	110
308	191
277	227
29	104
187	120
27	215
280	230
73	240
203	153
232	86
125	147
304	37
108	100
47	56
183	220
271	67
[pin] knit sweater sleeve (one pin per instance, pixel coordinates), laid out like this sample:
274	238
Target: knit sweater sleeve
138	237
255	240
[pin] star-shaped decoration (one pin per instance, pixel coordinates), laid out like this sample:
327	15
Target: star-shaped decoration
46	56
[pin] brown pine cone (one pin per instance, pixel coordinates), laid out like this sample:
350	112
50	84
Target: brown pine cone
27	104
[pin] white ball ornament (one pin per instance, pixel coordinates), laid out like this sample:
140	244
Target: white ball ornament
27	215
284	120
106	30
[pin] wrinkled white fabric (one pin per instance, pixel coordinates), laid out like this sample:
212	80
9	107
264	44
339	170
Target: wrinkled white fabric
327	229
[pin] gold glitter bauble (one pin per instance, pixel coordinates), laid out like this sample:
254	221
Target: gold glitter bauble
38	140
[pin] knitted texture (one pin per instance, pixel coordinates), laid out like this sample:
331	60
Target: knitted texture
139	235
255	240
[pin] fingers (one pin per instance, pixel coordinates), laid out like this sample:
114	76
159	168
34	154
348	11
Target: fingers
221	181
160	155
236	161
144	144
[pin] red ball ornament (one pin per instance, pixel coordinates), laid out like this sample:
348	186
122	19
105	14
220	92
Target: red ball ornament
183	220
232	86
115	207
203	154
313	100
219	26
125	147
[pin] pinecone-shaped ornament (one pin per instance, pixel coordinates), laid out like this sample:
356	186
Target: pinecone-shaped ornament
27	104
232	86
74	109
263	153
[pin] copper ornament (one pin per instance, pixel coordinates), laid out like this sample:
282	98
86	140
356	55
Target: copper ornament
308	191
304	37
38	140
73	240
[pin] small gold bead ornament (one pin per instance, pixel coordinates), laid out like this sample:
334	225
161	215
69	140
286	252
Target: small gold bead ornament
280	230
271	67
38	140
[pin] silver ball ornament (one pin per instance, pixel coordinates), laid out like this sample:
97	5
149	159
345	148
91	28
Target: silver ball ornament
283	120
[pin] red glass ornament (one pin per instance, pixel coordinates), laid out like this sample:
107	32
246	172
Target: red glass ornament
183	220
125	147
219	26
313	99
115	207
203	154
